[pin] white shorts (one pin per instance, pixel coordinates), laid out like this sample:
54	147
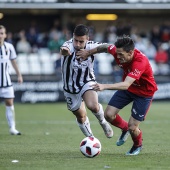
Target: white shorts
74	100
7	92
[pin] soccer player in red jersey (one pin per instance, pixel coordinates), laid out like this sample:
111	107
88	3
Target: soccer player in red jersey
138	86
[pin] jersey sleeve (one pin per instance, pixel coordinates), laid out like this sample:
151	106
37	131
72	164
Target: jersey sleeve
112	49
13	54
69	45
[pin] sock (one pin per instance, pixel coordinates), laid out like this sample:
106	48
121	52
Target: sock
137	140
85	127
100	114
10	115
120	123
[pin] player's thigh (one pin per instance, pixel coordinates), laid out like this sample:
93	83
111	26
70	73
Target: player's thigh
9	102
81	112
90	98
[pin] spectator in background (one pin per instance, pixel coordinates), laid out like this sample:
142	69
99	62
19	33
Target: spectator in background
150	51
55	43
23	46
140	44
161	59
42	40
165	31
161	56
32	36
109	33
168	51
155	36
9	38
165	35
119	30
6	89
55	29
92	30
123	29
66	34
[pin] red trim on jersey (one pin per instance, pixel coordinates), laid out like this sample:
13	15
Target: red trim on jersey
140	69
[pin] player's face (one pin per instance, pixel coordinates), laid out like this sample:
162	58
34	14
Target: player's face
79	42
2	35
123	56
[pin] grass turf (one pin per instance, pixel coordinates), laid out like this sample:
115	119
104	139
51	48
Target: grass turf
50	140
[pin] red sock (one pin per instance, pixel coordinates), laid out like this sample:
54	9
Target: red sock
138	139
120	123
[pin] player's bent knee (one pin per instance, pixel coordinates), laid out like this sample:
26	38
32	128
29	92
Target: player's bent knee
109	116
81	119
93	107
132	128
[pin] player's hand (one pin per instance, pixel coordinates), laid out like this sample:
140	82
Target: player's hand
65	51
98	87
82	54
20	79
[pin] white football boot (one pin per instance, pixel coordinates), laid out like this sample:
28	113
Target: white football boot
14	132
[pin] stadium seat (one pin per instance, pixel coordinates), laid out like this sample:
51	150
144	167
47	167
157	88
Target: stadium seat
154	67
44	57
48	67
34	62
22	61
104	64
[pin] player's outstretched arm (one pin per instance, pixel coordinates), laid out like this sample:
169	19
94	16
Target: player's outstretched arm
116	86
86	53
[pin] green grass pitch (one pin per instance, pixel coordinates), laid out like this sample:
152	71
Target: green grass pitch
50	141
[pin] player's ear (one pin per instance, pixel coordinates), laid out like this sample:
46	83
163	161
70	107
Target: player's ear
131	52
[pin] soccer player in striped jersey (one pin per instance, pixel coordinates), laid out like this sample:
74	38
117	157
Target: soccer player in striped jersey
77	78
137	86
8	54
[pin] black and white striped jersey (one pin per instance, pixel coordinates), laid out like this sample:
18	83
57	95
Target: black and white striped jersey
7	53
74	73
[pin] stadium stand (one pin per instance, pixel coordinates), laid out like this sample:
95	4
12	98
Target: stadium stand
42	61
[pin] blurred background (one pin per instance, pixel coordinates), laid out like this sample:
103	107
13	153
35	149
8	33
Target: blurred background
37	29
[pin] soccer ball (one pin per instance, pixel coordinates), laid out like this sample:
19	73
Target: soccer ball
90	147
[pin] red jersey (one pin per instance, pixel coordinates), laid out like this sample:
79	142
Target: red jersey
140	69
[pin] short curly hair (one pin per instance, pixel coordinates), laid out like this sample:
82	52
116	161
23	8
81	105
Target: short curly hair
81	30
125	42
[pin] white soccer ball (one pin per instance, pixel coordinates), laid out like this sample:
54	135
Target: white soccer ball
90	147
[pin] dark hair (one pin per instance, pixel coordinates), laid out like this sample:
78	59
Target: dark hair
81	30
125	42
